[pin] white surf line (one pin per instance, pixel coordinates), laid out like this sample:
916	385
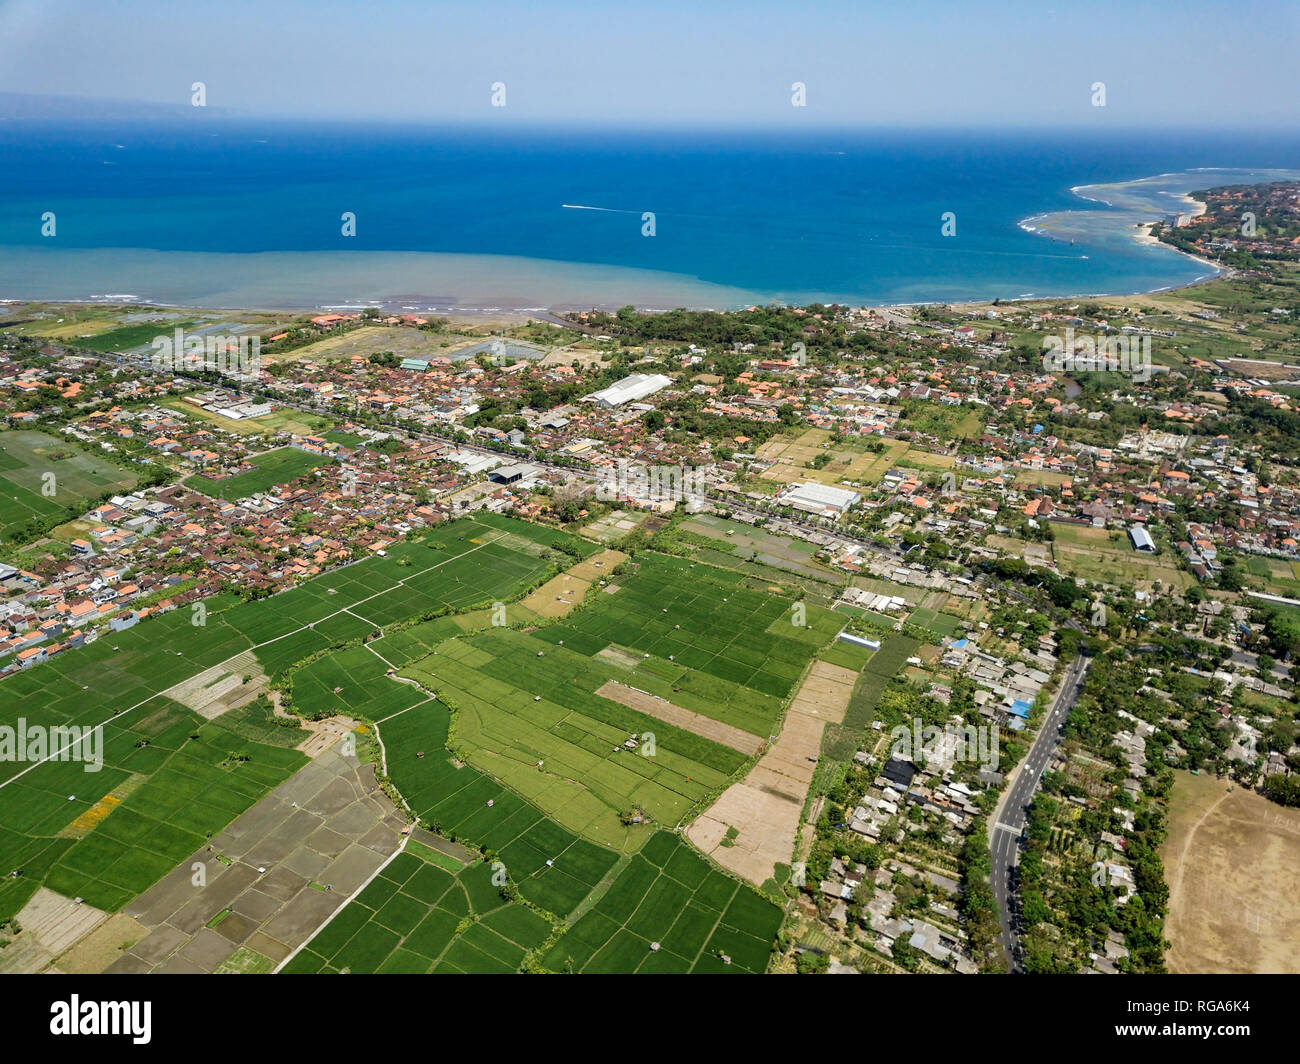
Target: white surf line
159	694
351	898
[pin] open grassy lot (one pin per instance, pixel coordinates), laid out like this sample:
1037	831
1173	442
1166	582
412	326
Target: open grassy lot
941	624
669	911
281	466
1231	860
282	420
26	456
915	458
1106	555
127	337
403	341
418	917
1039	478
851	460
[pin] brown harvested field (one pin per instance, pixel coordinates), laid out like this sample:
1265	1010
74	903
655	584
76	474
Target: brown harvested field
221	688
764	807
791	457
1257	367
102	946
50	924
564	592
567	356
662	709
402	340
1232	859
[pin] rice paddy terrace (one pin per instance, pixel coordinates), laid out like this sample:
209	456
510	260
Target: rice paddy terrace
562	754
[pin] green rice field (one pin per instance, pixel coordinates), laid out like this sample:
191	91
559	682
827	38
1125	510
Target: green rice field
79	477
281	466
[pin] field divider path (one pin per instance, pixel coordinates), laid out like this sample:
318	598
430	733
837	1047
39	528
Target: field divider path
350	899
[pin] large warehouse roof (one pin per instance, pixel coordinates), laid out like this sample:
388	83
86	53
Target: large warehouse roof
1141	538
818	498
629	389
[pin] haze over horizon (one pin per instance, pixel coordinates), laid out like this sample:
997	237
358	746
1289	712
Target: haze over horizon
933	65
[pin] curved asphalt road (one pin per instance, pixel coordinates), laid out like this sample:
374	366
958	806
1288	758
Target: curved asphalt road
1008	822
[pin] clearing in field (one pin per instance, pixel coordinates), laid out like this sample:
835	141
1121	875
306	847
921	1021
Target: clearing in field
562	594
1232	859
751	828
233	683
25	459
661	709
850	461
1105	555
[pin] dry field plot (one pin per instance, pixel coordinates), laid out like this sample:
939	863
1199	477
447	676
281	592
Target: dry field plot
917	459
661	709
791	457
403	341
221	688
1039	478
565	592
1091	553
764	807
1232	859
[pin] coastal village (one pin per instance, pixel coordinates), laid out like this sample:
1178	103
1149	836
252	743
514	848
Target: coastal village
965	507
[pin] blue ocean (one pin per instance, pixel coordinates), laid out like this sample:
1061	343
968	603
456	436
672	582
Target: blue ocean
233	213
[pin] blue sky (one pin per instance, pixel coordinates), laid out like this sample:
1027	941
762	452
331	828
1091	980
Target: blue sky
673	63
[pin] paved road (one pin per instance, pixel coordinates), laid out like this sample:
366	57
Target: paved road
1008	822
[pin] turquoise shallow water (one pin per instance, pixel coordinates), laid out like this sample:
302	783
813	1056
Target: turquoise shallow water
250	214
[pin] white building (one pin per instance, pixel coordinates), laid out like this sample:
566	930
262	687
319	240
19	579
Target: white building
820	499
1141	539
629	389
